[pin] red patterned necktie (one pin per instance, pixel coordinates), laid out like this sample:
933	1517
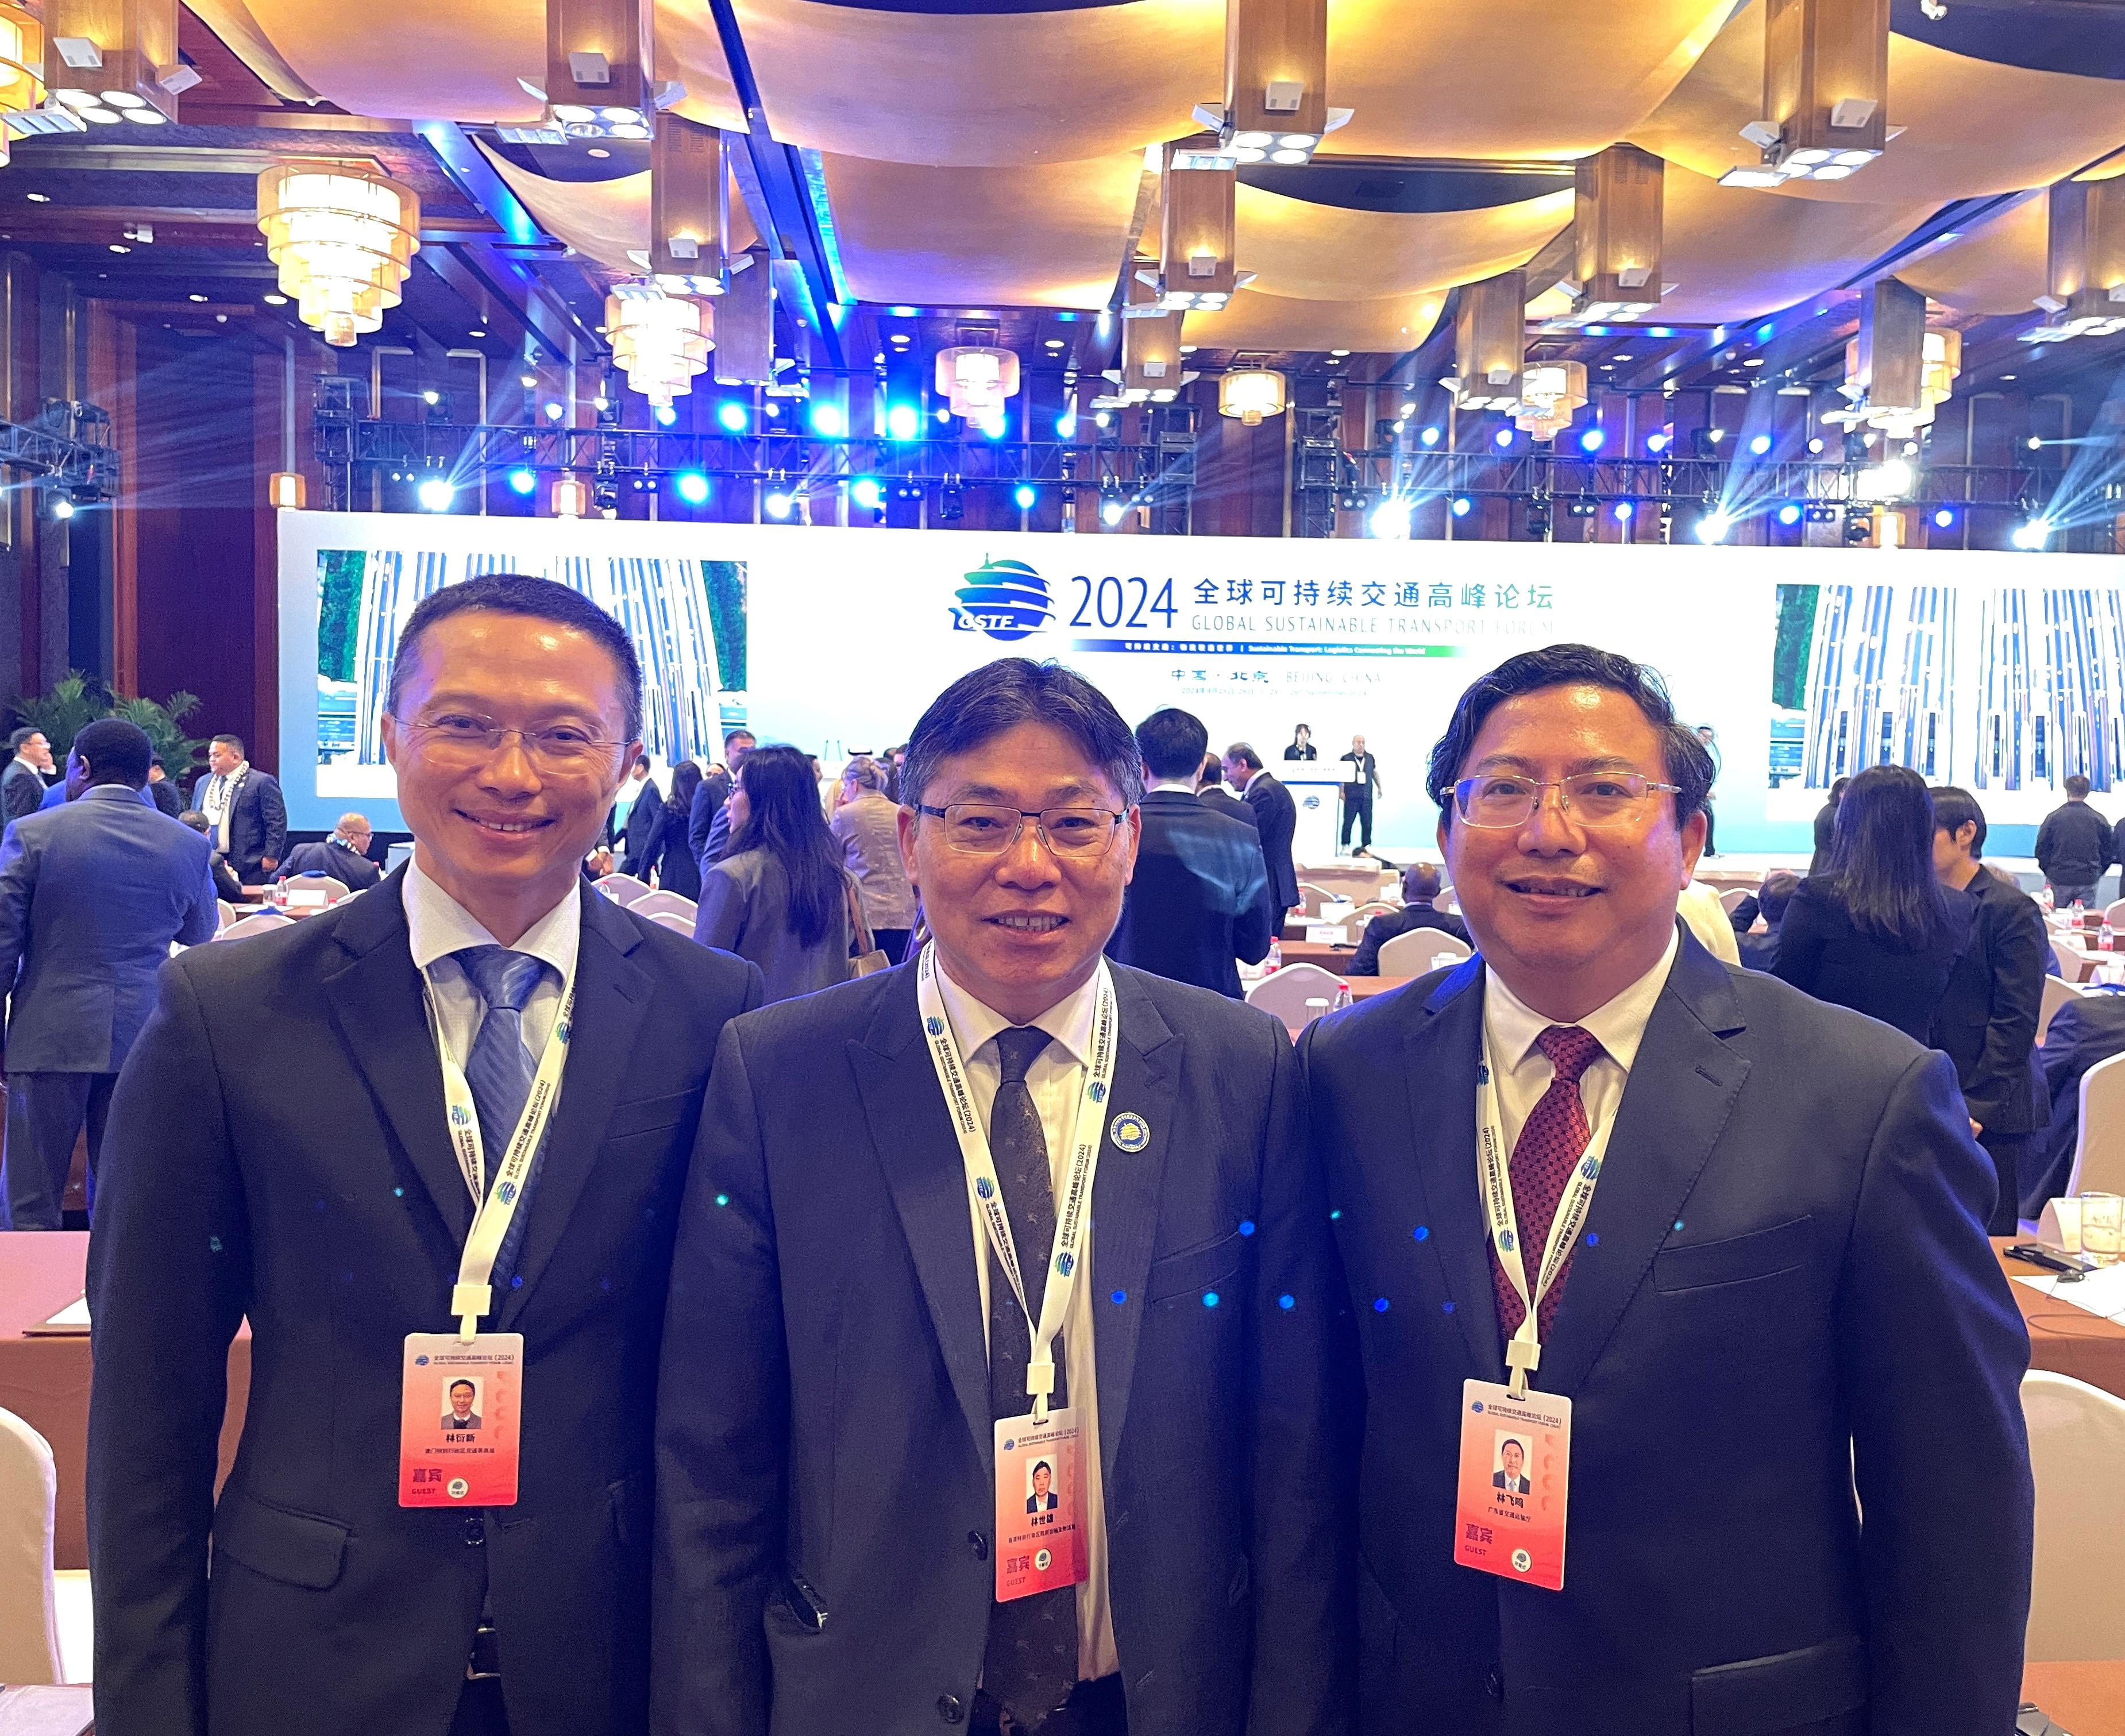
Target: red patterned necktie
1550	1144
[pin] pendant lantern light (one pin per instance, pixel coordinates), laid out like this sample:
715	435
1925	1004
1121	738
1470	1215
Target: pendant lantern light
660	341
344	236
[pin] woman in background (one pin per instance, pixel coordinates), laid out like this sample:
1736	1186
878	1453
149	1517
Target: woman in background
1877	931
676	870
867	826
779	896
1302	746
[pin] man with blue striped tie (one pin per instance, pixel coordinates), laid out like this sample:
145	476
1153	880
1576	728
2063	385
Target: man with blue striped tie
439	1137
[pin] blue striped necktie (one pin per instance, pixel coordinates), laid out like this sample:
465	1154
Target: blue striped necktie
500	1067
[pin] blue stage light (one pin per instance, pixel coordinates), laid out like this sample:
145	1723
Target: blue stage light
1622	511
864	492
1590	440
778	505
902	421
1760	444
827	422
1502	439
1657	442
1461	505
1944	517
692	487
522	480
733	416
1430	437
435	494
1789	513
1026	495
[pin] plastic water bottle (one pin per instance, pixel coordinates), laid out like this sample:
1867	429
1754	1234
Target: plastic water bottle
2044	898
1275	960
2079	914
2105	939
1342	995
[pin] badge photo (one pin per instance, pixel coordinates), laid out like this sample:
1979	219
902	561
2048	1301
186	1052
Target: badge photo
1514	1478
460	1419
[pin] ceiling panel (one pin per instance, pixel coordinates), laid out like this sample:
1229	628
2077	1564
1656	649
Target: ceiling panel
1255	321
1997	268
603	220
1332	253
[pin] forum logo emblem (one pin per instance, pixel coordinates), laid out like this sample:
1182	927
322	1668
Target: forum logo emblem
1006	600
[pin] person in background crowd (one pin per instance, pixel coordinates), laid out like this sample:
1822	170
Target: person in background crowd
2073	847
22	784
1360	784
867	827
1211	792
2088	1029
343	857
164	792
1302	746
1198	899
243	806
322	1143
1877	931
643	827
1703	914
92	895
1986	1022
841	1345
1780	1175
1760	952
677	869
226	885
1276	819
1419	886
708	826
1825	826
778	895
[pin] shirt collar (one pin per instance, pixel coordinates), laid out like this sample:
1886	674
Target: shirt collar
1618	1026
1068	1021
110	792
1178	786
437	925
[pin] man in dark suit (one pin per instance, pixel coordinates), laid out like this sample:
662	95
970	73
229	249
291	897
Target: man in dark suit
832	1433
707	825
1276	816
461	1415
2088	1029
342	857
243	805
1987	1021
1760	952
1042	1500
644	825
91	894
1780	1174
1211	792
162	791
1419	886
22	784
1512	1457
1199	899
321	1188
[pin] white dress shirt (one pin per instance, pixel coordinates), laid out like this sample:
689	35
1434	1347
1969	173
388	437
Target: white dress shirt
1056	1080
215	804
1522	1072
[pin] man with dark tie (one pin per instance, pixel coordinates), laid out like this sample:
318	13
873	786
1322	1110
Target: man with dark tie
461	1416
887	1282
1725	1224
244	808
1512	1461
461	1104
1042	1500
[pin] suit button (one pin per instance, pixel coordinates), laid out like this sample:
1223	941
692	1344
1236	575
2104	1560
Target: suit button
475	1532
949	1708
978	1544
1494	1684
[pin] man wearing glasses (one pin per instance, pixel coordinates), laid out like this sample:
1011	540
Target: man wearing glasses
856	1388
1751	1228
451	1117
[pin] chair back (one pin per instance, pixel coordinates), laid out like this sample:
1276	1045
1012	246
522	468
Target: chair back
1375	909
1411	953
1285	993
2077	1453
661	903
2099	1154
1449	901
2057	991
265	922
228	911
674	921
622	888
2075	965
1314	896
1730	901
313	892
2115	913
29	1499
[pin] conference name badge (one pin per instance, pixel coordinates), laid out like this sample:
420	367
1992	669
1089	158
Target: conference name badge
1515	1474
1039	1505
460	1417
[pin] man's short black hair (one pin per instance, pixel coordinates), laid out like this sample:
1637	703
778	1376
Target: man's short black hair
1039	1466
454	1385
2077	787
195	820
542	599
1174	743
1951	807
1509	1441
1776	893
22	739
237	742
1688	764
1213	773
114	751
1240	753
984	702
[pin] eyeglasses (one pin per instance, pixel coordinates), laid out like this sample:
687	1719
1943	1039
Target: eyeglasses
1081	834
461	735
1501	801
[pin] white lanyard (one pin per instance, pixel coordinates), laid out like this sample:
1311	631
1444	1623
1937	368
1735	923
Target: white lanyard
1072	1212
1524	1351
493	1209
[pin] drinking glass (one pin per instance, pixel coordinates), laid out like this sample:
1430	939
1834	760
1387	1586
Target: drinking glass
2101	1227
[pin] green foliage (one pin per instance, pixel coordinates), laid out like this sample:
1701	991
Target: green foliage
1796	637
339	597
724	582
77	699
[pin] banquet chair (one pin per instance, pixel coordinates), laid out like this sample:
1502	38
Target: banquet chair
2074	964
1314	896
2057	991
1286	993
2098	1155
674	921
2115	913
265	922
1730	901
2077	1453
1448	900
665	904
1377	907
228	911
334	890
29	1500
621	888
1411	954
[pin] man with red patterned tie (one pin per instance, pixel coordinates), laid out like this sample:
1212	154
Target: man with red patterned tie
1751	1229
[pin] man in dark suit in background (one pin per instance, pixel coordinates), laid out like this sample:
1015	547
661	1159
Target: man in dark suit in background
162	791
1211	792
644	825
838	1322
1276	816
318	1189
1199	899
2090	1027
22	784
243	806
1760	952
1773	1172
343	857
1419	886
91	894
1987	1021
707	825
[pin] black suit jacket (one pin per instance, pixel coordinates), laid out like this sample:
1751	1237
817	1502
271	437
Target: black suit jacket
1785	1269
331	858
2088	1029
1277	814
1384	927
709	799
258	826
21	790
1219	800
1987	1021
311	1188
645	825
825	1482
1199	899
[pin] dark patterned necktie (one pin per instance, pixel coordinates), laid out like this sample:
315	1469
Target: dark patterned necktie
1550	1145
1031	1662
500	1069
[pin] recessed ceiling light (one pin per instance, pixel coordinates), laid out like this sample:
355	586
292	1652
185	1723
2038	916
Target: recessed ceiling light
195	298
2006	376
1339	352
40	198
599	150
119	246
1623	355
1753	361
276	301
477	331
1055	343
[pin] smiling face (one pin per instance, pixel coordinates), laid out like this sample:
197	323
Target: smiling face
1021	930
461	1397
1570	915
1512	1457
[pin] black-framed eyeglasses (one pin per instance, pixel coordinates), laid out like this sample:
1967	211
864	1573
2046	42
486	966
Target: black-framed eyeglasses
1503	799
468	735
983	829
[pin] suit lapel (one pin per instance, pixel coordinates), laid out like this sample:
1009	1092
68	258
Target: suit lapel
1125	1194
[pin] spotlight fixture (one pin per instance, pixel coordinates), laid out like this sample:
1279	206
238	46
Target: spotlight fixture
731	415
902	421
951	499
1714	526
1759	445
1538	520
827	422
1821	515
523	480
1658	442
1789	515
692	487
778	505
1389	521
1622	511
1429	436
1858	524
1461	506
2033	534
435	494
865	492
1582	508
1944	517
1590	439
1110	513
1026	497
1502	439
665	416
1815	445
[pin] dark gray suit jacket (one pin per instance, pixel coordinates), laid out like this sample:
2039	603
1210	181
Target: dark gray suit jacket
311	1189
1199	899
21	790
258	824
1785	1271
1221	800
1277	815
826	1494
2087	1029
91	894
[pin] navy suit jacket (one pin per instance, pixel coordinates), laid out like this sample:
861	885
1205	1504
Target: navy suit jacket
1277	814
354	870
825	1482
21	790
257	828
1219	800
1784	1277
311	1188
2088	1029
1200	900
91	894
645	825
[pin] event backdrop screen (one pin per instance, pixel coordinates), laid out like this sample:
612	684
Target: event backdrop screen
2001	672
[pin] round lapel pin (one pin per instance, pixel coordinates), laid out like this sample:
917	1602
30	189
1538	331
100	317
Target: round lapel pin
1130	1132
